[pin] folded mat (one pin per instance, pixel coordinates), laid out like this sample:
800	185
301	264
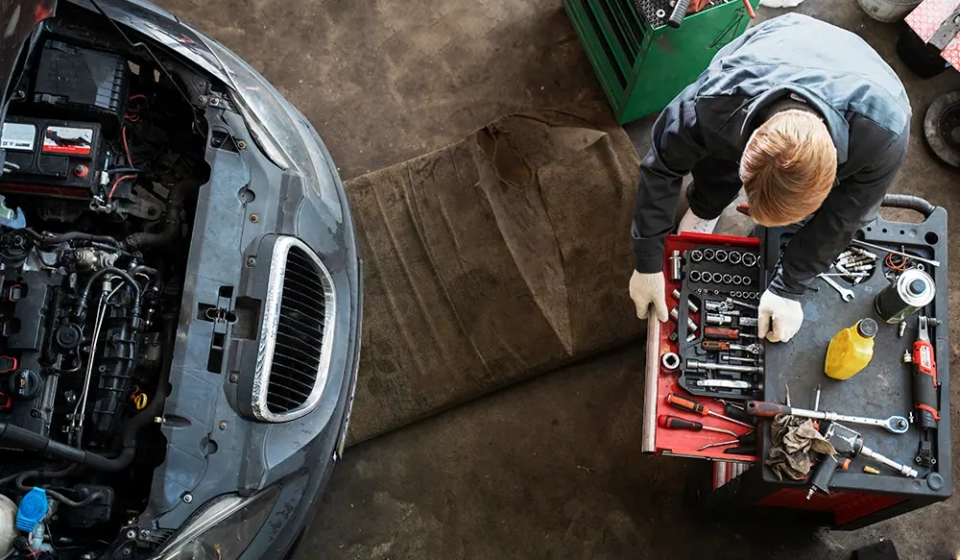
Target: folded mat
493	259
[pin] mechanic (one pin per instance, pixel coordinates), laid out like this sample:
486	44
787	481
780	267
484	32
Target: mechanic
808	119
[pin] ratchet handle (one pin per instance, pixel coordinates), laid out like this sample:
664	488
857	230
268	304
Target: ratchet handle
684	403
718	345
679	12
765	409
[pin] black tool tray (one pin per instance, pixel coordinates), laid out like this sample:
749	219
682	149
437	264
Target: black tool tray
883	388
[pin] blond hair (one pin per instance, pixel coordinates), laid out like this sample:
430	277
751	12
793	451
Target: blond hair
788	168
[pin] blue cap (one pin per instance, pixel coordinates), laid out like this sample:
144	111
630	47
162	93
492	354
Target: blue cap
33	508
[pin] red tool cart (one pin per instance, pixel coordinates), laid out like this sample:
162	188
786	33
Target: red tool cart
884	389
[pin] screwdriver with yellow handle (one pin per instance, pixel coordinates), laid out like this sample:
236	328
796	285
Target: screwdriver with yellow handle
691	405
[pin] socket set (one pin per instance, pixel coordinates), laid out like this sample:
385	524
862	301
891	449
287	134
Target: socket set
718	352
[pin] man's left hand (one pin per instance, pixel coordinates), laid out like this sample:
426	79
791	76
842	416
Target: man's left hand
779	318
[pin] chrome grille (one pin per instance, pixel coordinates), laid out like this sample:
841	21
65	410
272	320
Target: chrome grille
295	341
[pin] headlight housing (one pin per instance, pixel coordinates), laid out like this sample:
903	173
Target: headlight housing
223	530
283	133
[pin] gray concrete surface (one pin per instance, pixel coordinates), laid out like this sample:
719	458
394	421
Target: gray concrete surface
550	468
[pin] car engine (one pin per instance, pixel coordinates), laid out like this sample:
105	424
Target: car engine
104	156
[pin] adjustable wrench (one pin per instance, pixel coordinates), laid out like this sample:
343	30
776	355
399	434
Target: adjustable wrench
845	294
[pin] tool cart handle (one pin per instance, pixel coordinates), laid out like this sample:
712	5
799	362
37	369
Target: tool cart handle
908	202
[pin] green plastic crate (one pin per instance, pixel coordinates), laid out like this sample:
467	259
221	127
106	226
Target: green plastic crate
641	64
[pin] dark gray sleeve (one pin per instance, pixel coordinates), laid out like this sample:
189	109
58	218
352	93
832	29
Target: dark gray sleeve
851	205
675	146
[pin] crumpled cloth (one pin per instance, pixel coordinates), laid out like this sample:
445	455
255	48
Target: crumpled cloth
794	439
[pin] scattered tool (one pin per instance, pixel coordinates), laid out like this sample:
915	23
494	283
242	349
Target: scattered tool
721	333
816	399
845	294
870	470
670	361
722	346
675	423
849	444
925	386
691	405
675	266
763	409
931	262
746	440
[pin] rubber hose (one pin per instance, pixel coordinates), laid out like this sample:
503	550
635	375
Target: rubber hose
70	236
909	202
170	230
57	495
85	292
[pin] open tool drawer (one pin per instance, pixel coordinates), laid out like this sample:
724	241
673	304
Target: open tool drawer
685	335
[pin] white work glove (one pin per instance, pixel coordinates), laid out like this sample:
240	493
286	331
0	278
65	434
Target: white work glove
779	318
647	290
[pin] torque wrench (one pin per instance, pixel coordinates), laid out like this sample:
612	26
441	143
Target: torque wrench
894	424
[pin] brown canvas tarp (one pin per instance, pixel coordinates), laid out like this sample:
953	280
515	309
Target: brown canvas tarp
491	260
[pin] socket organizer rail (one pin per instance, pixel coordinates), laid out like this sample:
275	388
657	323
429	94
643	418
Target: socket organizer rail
695	355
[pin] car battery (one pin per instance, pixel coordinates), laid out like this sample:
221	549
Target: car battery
53	157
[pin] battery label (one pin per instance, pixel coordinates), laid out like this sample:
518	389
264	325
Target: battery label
67	140
17	136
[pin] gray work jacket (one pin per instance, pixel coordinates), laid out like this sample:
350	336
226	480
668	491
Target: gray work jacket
859	96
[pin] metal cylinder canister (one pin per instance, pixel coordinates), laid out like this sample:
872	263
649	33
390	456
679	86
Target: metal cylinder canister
911	291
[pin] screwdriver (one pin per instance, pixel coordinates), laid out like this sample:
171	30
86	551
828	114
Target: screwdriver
721	333
674	423
691	405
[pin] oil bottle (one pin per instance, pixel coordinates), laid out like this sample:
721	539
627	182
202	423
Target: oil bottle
850	350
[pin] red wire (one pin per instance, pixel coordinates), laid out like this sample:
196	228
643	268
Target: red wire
126	146
136	96
117	183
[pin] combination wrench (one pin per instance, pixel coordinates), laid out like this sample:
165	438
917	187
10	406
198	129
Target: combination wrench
845	294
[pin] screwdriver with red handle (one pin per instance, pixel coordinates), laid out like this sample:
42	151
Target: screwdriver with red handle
675	423
691	405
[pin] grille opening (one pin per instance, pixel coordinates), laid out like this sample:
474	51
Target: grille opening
298	348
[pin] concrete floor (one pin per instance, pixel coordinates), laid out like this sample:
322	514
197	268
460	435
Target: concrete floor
549	468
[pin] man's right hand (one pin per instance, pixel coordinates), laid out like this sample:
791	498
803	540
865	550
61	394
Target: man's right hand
647	290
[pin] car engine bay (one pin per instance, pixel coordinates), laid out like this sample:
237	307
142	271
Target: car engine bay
104	158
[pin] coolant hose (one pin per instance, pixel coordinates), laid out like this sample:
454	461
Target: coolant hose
171	228
70	236
85	293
